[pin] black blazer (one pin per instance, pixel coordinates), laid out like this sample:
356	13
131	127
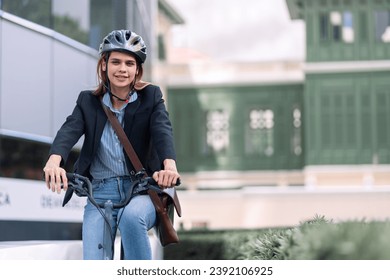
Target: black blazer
147	125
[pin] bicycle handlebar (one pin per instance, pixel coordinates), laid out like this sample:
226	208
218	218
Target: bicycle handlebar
82	186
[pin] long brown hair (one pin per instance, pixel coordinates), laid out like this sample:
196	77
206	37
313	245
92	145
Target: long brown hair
102	76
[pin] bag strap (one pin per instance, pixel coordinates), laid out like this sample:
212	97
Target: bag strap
123	138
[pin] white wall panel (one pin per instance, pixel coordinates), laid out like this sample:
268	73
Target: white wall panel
41	75
26	78
73	73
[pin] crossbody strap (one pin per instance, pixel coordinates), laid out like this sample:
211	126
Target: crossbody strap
123	138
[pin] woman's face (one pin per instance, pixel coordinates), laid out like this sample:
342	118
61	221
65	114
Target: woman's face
121	70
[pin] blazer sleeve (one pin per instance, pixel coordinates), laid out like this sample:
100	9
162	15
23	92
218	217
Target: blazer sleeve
69	133
161	129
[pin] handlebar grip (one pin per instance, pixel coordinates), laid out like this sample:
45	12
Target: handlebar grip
80	184
153	182
74	176
70	176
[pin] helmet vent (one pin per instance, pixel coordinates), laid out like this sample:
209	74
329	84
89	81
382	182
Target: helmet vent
118	37
128	34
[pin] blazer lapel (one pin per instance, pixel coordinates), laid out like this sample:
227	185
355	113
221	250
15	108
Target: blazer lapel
130	111
101	120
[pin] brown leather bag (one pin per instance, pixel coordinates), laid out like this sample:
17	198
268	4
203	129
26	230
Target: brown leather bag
164	201
164	205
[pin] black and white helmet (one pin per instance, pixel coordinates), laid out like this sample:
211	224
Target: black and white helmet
124	40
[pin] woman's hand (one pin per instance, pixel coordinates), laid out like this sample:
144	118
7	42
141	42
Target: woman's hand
55	176
168	177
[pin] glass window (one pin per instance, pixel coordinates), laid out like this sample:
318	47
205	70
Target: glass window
161	48
72	22
324	27
296	141
337	26
382	26
217	131
38	11
363	23
260	133
336	22
348	31
106	16
54	14
24	158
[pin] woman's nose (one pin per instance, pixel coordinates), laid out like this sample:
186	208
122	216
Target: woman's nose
122	67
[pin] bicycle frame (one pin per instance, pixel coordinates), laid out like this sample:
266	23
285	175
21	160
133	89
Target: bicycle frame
82	186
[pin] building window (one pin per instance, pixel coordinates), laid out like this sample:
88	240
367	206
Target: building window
337	26
363	24
57	15
217	131
161	48
382	26
296	141
37	11
324	27
348	30
260	132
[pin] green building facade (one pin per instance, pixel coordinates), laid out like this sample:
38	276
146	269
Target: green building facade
238	127
338	116
347	84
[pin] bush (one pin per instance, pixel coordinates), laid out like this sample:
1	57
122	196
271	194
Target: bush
215	245
316	239
320	239
351	240
196	245
212	245
238	245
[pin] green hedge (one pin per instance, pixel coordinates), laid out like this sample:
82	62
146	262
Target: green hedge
211	245
216	245
317	239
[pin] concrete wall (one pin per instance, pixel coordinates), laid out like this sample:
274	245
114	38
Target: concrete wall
263	207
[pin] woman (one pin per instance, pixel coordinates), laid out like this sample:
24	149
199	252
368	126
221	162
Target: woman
141	111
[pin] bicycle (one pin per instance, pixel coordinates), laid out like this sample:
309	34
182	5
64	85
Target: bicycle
82	187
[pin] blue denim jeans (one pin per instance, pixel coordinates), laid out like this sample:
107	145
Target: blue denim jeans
134	221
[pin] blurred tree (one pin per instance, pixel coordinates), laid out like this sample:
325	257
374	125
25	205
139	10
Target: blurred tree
71	28
40	12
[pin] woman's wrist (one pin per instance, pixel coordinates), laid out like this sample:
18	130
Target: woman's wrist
170	164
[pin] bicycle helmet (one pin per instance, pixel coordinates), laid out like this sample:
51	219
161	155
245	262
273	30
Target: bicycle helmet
124	40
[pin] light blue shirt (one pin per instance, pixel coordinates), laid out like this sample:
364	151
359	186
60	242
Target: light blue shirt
110	159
